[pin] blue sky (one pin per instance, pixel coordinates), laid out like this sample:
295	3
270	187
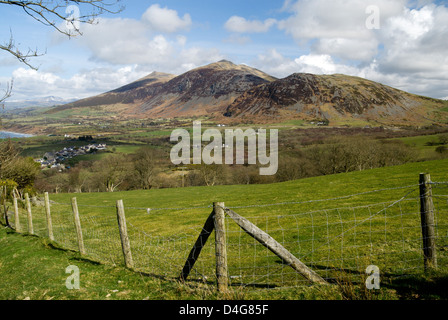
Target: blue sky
401	43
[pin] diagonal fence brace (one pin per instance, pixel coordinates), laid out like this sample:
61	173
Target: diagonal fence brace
270	243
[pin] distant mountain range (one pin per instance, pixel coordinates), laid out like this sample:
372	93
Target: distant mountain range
227	91
49	101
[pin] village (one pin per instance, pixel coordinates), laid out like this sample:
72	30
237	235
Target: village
56	159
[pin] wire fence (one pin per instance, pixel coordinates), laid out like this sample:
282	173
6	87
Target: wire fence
337	242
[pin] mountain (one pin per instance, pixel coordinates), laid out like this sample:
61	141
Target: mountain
334	97
203	91
227	92
123	98
49	101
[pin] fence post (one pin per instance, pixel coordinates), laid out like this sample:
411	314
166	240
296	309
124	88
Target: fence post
220	246
48	215
30	215
78	226
427	221
16	216
125	244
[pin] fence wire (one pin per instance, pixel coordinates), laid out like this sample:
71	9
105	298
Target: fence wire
337	242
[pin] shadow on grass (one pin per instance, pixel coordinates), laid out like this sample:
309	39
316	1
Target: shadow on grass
431	287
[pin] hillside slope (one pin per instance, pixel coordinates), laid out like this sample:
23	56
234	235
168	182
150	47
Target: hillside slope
202	91
123	98
333	97
229	92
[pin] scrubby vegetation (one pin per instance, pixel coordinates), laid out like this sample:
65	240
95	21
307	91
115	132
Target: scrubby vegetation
142	161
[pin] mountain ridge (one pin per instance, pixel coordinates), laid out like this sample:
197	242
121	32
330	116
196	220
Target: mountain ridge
226	91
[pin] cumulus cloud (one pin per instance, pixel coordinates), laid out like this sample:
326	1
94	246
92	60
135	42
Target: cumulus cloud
276	64
241	25
338	27
31	83
166	20
154	40
415	42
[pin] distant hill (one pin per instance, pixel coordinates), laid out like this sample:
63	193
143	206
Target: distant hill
228	91
49	101
125	97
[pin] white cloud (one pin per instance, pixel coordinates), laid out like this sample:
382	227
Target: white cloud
411	24
318	64
145	42
278	65
415	42
337	27
166	20
30	83
347	48
241	25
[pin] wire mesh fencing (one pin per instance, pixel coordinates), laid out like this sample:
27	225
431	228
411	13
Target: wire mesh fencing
336	241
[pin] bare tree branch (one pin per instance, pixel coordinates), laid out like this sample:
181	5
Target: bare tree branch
11	48
51	13
56	14
7	93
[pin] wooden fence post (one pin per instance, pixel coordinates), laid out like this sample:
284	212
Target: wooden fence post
427	221
16	216
48	215
220	246
125	244
30	215
78	226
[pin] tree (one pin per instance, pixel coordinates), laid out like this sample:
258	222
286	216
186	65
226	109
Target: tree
210	173
443	138
62	15
8	153
78	179
24	172
145	166
7	93
112	171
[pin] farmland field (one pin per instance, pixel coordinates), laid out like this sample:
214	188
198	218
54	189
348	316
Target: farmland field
369	217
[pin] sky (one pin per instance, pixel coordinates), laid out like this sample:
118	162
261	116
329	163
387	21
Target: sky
400	43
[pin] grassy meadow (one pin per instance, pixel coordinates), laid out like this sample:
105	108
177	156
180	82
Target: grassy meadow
336	224
338	238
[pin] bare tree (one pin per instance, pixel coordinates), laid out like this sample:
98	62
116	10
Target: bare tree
210	173
7	93
62	15
112	171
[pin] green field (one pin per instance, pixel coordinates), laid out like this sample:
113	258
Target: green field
423	145
338	238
